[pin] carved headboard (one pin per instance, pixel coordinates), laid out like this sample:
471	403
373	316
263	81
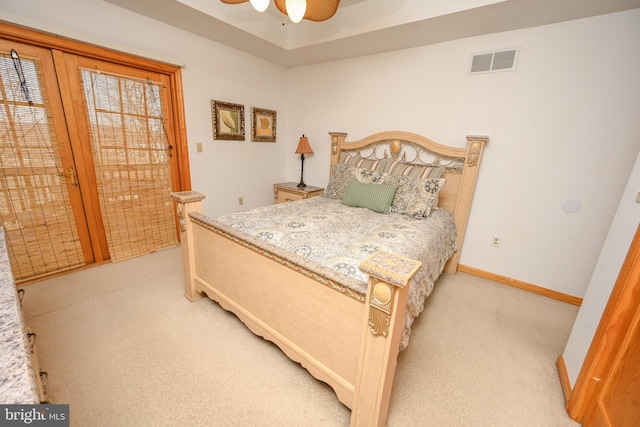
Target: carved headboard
460	166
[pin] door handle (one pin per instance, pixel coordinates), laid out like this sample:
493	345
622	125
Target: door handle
71	174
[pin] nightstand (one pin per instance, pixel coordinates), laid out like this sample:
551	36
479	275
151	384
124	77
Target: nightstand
289	191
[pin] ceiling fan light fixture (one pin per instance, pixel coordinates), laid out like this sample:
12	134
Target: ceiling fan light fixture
296	9
260	5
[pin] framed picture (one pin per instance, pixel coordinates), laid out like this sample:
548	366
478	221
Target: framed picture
263	128
228	120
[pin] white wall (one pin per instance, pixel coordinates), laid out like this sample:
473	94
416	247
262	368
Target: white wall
225	170
614	252
563	126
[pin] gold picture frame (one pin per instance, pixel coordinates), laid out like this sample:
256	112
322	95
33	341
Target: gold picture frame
263	125
228	120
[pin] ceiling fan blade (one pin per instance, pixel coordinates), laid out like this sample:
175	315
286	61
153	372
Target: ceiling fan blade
321	10
280	5
317	10
234	1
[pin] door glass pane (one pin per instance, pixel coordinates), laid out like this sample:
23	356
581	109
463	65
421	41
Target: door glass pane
35	210
130	152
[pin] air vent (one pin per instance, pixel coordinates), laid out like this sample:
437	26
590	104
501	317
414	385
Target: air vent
503	60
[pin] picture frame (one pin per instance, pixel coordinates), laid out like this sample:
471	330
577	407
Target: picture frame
228	120
263	125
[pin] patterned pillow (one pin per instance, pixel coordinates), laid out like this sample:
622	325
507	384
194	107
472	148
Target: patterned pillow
341	174
415	197
426	198
368	176
402	198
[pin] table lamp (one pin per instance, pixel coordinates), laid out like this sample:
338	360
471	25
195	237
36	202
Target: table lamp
303	148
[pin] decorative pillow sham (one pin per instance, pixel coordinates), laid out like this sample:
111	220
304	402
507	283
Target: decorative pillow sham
341	174
361	162
415	171
375	197
415	197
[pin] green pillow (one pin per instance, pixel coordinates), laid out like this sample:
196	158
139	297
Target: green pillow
376	197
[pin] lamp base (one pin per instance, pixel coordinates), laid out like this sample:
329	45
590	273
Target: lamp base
302	184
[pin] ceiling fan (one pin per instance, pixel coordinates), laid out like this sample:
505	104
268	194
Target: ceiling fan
313	10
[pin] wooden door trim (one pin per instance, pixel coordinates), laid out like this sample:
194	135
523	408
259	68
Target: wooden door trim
610	335
180	123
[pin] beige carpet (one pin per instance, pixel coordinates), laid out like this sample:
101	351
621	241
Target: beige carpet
124	347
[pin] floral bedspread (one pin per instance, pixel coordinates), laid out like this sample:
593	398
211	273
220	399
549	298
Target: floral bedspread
339	237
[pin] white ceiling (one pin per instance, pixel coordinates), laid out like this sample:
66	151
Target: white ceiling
362	27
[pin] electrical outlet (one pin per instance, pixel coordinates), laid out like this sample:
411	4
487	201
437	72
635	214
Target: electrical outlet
495	241
240	201
198	147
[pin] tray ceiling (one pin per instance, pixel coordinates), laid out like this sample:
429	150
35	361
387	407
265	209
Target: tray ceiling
362	27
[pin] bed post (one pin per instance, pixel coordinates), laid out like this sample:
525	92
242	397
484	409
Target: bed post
383	323
337	139
475	145
187	202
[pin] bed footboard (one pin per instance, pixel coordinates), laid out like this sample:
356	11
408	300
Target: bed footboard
347	341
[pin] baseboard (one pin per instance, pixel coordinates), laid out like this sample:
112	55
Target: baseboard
521	285
564	379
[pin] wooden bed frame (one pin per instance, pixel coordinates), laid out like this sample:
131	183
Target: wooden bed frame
348	340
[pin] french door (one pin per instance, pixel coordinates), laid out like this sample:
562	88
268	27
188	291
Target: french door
120	113
86	157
